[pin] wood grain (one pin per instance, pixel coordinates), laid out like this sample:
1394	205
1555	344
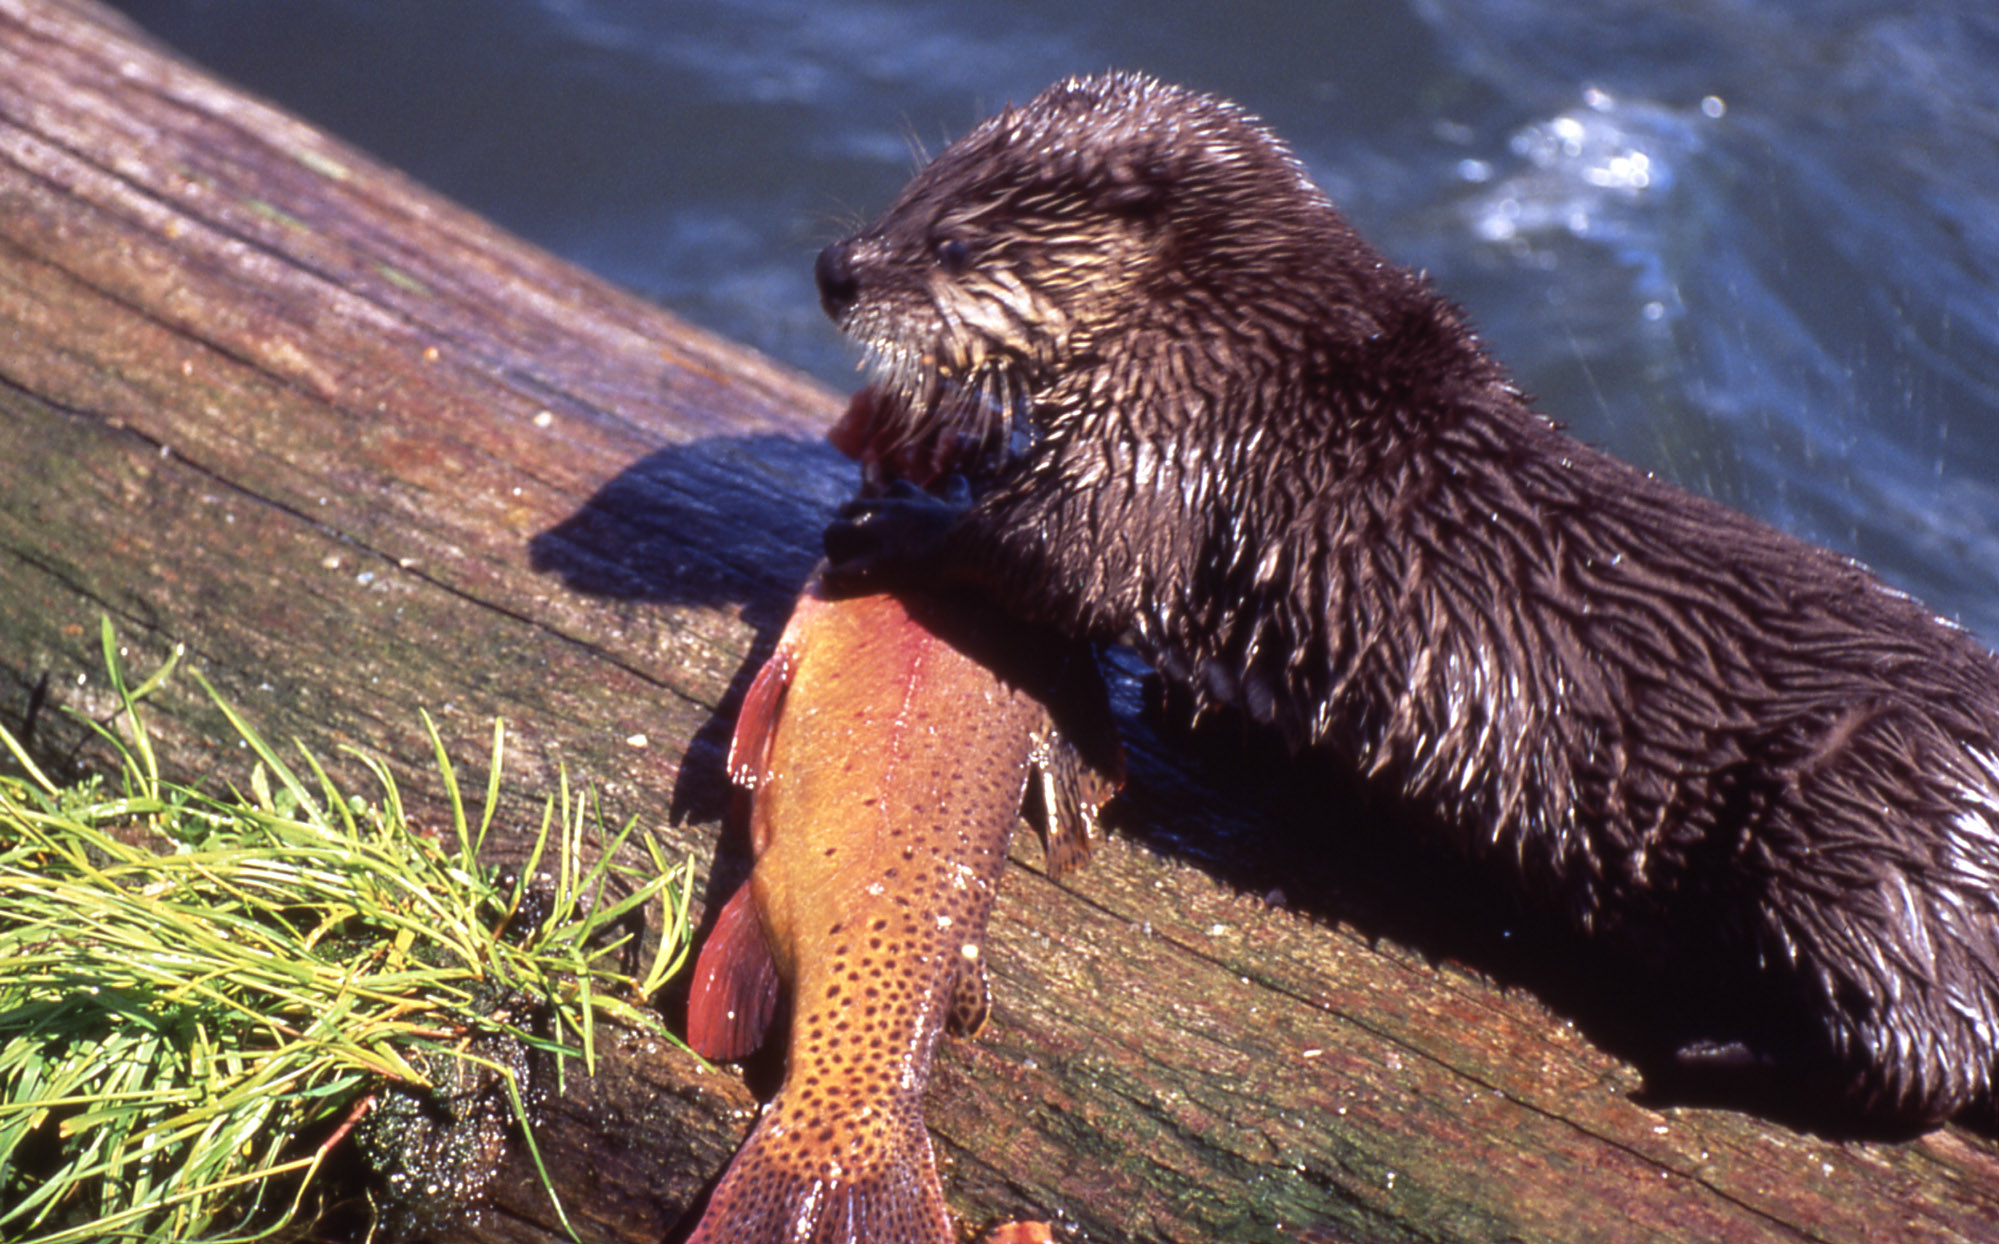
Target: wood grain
363	452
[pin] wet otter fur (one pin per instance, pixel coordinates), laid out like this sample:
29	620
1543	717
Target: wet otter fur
1228	432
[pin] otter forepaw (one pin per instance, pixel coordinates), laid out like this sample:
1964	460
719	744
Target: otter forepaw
897	537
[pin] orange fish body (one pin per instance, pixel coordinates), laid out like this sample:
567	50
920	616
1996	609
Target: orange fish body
886	766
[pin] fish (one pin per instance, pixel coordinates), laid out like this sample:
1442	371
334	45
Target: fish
886	749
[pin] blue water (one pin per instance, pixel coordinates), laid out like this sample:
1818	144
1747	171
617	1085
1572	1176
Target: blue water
1750	244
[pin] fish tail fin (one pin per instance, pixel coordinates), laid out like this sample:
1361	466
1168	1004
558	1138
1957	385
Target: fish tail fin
777	1191
735	989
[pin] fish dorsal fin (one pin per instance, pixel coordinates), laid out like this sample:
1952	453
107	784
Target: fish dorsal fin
971	996
1072	791
735	989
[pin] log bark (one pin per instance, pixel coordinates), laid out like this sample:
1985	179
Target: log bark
362	453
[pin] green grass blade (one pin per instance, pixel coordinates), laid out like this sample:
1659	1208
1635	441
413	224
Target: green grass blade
170	1018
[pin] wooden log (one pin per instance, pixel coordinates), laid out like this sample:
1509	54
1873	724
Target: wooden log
361	452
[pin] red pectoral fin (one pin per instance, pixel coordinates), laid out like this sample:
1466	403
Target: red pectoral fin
756	724
749	746
735	986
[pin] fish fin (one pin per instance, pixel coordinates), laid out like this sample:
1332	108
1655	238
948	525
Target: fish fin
756	724
1078	762
1073	791
971	998
774	1192
735	989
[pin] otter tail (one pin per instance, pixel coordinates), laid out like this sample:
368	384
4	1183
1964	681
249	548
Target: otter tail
781	1190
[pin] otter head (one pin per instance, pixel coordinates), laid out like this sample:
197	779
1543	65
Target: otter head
1037	255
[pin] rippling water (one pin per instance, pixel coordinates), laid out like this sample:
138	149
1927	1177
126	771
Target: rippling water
1751	244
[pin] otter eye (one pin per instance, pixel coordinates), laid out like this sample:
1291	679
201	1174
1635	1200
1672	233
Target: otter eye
954	256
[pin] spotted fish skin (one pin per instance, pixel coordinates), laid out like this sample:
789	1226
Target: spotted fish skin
886	762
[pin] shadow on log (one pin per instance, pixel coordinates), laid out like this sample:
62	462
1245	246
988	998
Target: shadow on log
363	453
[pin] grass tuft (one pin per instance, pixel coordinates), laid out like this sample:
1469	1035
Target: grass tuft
199	992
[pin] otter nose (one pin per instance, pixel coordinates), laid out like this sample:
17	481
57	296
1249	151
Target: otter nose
838	286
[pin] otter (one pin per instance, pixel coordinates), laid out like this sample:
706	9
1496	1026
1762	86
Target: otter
1223	429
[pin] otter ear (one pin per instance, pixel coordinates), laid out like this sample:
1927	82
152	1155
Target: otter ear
1127	183
1138	199
1136	190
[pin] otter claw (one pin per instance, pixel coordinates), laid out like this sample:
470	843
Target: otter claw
897	537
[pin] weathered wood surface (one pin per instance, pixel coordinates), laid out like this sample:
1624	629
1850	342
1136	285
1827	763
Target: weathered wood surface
362	452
